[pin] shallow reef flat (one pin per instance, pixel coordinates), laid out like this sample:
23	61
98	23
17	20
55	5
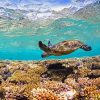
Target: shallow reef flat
69	79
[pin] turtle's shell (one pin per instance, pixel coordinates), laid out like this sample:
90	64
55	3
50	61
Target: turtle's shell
66	47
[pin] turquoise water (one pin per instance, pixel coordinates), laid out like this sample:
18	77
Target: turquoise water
20	41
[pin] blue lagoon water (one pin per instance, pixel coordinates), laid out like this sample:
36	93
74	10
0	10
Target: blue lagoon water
21	42
19	34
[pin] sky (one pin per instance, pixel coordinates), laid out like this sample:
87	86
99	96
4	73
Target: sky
61	2
45	3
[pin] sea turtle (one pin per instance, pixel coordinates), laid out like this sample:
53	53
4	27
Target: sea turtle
62	48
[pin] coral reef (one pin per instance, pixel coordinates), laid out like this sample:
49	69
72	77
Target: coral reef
2	92
44	94
55	86
62	89
69	79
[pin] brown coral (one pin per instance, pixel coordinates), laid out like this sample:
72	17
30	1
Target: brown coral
92	92
55	86
20	77
82	79
2	92
44	94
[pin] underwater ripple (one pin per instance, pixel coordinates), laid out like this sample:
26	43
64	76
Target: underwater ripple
20	41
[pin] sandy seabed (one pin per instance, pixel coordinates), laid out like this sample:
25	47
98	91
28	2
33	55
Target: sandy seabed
69	79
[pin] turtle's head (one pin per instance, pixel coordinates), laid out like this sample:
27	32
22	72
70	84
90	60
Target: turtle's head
44	55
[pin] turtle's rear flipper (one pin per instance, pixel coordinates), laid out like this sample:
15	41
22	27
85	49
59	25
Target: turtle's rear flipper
86	47
44	47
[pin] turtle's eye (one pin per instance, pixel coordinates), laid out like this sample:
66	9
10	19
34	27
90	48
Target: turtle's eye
42	56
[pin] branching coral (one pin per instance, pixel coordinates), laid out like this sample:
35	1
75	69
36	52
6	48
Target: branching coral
94	74
55	86
91	92
20	77
66	92
36	70
89	88
1	79
89	82
24	78
14	92
44	94
2	92
71	82
83	71
28	88
2	65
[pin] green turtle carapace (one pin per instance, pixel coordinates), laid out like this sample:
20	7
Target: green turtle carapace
62	48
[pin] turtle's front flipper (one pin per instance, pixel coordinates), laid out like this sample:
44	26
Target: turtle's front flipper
44	47
49	44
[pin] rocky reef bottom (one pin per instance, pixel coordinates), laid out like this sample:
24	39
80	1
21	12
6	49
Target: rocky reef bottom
69	79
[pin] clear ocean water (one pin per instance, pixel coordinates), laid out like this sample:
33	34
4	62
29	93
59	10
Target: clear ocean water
20	41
